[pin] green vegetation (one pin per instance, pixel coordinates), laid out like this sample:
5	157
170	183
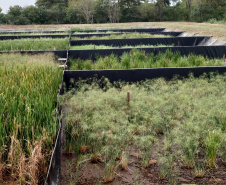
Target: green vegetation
175	120
121	36
96	32
34	33
28	101
34	44
91	46
139	59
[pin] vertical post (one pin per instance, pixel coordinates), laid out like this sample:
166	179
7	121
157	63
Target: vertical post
178	43
140	43
224	58
128	97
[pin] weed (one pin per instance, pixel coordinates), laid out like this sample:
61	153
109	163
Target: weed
199	170
109	171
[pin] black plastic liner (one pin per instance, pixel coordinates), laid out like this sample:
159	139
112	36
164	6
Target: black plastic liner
181	41
135	75
53	175
207	51
139	30
57	53
31	37
171	33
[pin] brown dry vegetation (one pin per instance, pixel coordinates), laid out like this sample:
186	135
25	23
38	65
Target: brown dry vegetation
218	31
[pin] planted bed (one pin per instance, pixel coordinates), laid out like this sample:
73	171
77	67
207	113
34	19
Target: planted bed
28	122
154	131
140	59
118	36
34	44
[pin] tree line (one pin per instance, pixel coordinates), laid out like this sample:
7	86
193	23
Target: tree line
114	11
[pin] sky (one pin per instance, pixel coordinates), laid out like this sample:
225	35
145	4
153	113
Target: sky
5	4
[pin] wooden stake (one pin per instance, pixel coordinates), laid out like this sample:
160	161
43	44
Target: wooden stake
178	43
224	58
128	97
140	43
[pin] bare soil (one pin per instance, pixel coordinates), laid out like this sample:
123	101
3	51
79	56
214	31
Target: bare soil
90	173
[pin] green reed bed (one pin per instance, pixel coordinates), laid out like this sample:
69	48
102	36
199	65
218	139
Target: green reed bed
28	99
180	123
34	44
139	59
121	36
92	46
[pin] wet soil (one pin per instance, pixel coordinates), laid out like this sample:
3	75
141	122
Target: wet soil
90	173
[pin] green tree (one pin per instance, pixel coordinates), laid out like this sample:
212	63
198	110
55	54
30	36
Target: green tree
33	14
129	10
100	15
1	17
86	9
15	16
53	10
160	5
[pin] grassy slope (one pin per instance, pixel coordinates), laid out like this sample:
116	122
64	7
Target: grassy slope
201	29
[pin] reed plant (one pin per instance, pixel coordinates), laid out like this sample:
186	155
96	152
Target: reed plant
139	59
34	44
28	127
91	46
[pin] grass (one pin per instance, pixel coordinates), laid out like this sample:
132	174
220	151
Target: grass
91	46
121	36
28	100
33	33
174	120
139	59
34	44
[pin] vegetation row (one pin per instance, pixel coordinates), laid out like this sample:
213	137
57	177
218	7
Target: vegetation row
93	46
28	127
121	36
34	44
139	59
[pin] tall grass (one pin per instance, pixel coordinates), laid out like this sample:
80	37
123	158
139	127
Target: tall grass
168	120
34	44
121	36
28	100
139	59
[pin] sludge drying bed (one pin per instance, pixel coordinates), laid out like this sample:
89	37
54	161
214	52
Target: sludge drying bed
156	131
